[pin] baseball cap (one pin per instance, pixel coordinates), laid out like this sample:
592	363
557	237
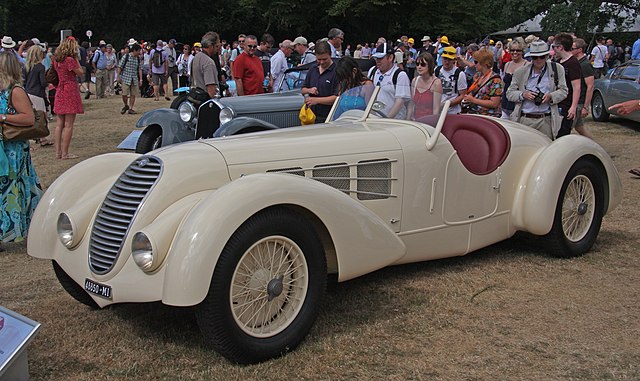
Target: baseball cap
449	52
382	51
300	40
197	45
172	41
444	40
411	40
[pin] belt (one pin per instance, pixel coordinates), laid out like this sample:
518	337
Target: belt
535	116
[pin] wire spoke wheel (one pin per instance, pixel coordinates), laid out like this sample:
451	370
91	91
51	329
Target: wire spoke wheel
578	208
269	286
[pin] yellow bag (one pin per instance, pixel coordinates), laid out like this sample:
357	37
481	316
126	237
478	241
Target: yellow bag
306	115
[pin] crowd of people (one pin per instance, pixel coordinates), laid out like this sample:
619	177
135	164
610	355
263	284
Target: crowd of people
547	85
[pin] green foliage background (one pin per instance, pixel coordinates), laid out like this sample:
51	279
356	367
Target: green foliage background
361	20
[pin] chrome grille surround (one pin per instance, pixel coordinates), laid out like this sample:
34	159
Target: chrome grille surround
118	210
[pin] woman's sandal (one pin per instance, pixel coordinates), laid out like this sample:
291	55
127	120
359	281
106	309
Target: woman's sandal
635	171
70	156
45	142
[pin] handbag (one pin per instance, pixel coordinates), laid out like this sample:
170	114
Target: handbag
51	75
306	115
39	129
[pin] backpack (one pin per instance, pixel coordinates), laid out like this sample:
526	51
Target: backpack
394	79
157	58
456	76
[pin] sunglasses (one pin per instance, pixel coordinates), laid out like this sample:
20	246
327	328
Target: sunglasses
539	58
422	64
516	51
575	48
241	41
252	46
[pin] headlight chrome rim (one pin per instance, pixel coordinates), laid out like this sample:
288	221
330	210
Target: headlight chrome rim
226	115
65	230
187	112
142	252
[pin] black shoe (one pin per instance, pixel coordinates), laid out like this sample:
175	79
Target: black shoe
88	95
124	109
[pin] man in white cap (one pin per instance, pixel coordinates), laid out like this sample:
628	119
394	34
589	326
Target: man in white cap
279	63
8	45
300	45
395	87
427	47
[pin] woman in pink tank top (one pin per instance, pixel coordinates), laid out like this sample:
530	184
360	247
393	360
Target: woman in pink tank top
426	89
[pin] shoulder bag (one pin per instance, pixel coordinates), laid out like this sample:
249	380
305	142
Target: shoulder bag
51	76
39	129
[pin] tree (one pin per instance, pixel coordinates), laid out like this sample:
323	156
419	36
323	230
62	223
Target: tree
589	16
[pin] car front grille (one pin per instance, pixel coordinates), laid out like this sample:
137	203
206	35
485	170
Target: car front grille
116	213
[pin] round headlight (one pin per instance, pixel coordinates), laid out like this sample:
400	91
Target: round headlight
187	111
142	251
226	114
65	230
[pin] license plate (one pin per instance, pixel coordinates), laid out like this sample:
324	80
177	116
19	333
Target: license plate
101	290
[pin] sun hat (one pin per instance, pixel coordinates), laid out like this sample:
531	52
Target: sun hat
449	52
382	51
7	42
537	49
132	41
444	40
300	40
426	38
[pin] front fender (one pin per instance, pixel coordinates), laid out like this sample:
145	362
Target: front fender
363	242
537	197
174	130
243	125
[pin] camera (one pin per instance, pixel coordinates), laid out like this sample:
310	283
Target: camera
538	97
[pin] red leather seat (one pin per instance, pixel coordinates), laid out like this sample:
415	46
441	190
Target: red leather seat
482	144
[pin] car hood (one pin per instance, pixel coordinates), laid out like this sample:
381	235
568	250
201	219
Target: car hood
303	143
288	100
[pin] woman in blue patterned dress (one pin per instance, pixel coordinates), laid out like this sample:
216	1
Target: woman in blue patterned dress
20	188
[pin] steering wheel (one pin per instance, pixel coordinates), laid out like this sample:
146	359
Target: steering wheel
379	113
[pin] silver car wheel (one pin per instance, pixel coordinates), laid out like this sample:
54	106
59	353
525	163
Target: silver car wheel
269	286
578	208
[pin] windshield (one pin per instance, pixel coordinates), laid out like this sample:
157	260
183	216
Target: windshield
418	103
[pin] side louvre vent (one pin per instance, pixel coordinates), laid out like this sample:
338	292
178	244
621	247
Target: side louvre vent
116	213
334	175
294	171
374	180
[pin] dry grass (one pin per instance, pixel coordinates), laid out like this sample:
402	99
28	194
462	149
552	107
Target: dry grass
508	312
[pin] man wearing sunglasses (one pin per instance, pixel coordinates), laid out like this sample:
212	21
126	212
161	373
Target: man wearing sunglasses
395	89
536	90
335	39
247	69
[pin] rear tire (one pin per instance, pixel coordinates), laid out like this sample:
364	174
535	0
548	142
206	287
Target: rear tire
598	109
579	211
72	288
150	139
266	289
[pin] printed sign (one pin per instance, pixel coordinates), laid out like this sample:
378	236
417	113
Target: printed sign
16	331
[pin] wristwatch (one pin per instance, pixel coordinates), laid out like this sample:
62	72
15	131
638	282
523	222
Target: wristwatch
4	118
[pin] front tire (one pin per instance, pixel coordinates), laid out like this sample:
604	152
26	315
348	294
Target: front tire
579	211
150	139
178	100
598	108
266	289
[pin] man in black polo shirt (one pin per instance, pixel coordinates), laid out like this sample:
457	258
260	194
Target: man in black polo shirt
321	86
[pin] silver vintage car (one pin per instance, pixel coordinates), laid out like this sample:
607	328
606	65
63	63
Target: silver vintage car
619	85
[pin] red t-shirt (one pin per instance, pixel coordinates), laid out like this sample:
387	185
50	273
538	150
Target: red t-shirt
249	70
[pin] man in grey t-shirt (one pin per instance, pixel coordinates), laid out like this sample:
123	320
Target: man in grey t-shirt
203	70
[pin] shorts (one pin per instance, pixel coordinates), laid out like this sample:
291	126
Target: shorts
158	79
130	90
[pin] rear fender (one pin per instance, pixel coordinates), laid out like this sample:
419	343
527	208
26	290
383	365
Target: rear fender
174	130
537	196
363	242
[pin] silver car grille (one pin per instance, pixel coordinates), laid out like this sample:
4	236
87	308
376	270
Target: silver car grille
280	119
116	213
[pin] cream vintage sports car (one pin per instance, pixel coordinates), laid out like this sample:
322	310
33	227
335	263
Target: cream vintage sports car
249	228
